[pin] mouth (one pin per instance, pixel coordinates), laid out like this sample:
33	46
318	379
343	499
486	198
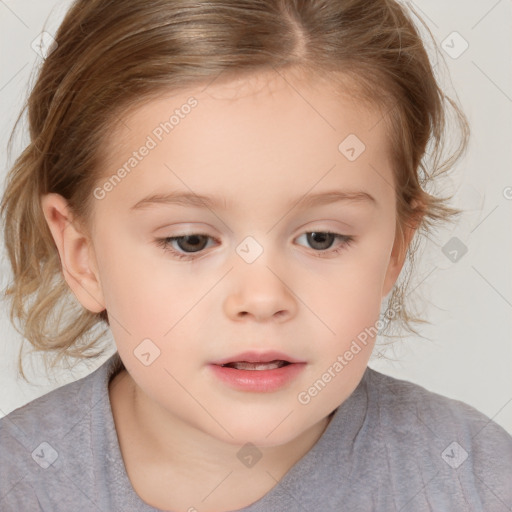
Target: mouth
246	365
258	372
253	357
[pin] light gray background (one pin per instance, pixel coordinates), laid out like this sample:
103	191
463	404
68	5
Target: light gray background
469	303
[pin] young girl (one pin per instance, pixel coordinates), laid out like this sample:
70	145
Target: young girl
232	188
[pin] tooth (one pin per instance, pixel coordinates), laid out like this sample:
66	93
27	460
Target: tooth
244	365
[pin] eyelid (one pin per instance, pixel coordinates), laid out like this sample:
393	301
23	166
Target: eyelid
165	243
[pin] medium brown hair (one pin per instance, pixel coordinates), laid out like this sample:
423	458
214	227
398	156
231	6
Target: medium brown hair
112	56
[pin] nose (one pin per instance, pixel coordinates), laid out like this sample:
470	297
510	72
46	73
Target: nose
259	292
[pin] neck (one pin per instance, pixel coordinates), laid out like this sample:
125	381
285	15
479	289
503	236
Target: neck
159	448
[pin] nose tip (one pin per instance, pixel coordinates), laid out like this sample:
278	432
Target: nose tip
261	316
259	292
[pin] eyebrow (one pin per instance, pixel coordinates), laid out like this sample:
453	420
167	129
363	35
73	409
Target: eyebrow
212	202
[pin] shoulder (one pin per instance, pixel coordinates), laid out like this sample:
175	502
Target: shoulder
464	452
46	432
56	411
47	412
402	403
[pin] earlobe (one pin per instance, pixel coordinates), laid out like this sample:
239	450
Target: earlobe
75	251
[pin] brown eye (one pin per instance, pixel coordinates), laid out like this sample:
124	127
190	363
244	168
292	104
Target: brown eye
184	247
191	243
320	240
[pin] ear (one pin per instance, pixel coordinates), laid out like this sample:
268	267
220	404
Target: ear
76	252
403	238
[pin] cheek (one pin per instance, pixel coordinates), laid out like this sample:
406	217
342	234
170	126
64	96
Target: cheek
350	298
151	298
141	298
352	319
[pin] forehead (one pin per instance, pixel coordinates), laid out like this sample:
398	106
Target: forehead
281	130
335	99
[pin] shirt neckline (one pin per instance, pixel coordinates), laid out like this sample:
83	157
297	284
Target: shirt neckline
347	421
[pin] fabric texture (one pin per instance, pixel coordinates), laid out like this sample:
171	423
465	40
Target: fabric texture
391	446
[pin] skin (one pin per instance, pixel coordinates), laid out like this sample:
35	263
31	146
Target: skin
261	145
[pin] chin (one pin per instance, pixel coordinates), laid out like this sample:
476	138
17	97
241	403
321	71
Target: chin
264	431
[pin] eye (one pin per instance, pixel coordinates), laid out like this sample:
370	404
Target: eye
183	247
323	241
189	243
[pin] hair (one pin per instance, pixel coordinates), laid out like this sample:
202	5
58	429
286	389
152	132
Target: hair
111	57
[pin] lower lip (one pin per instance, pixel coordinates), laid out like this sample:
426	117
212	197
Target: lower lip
262	381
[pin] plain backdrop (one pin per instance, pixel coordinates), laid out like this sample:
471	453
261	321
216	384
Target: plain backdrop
468	351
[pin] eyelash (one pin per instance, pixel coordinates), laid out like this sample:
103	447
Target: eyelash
165	243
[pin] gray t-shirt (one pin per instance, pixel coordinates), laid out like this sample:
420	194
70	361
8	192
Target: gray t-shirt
391	446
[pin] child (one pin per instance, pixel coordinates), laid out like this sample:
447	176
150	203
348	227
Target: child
288	136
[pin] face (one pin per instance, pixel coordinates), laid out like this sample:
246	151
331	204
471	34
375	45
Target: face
289	257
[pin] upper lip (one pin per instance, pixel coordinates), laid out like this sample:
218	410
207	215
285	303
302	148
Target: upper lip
258	357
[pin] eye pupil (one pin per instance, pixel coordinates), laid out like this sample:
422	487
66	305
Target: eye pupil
321	237
192	242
